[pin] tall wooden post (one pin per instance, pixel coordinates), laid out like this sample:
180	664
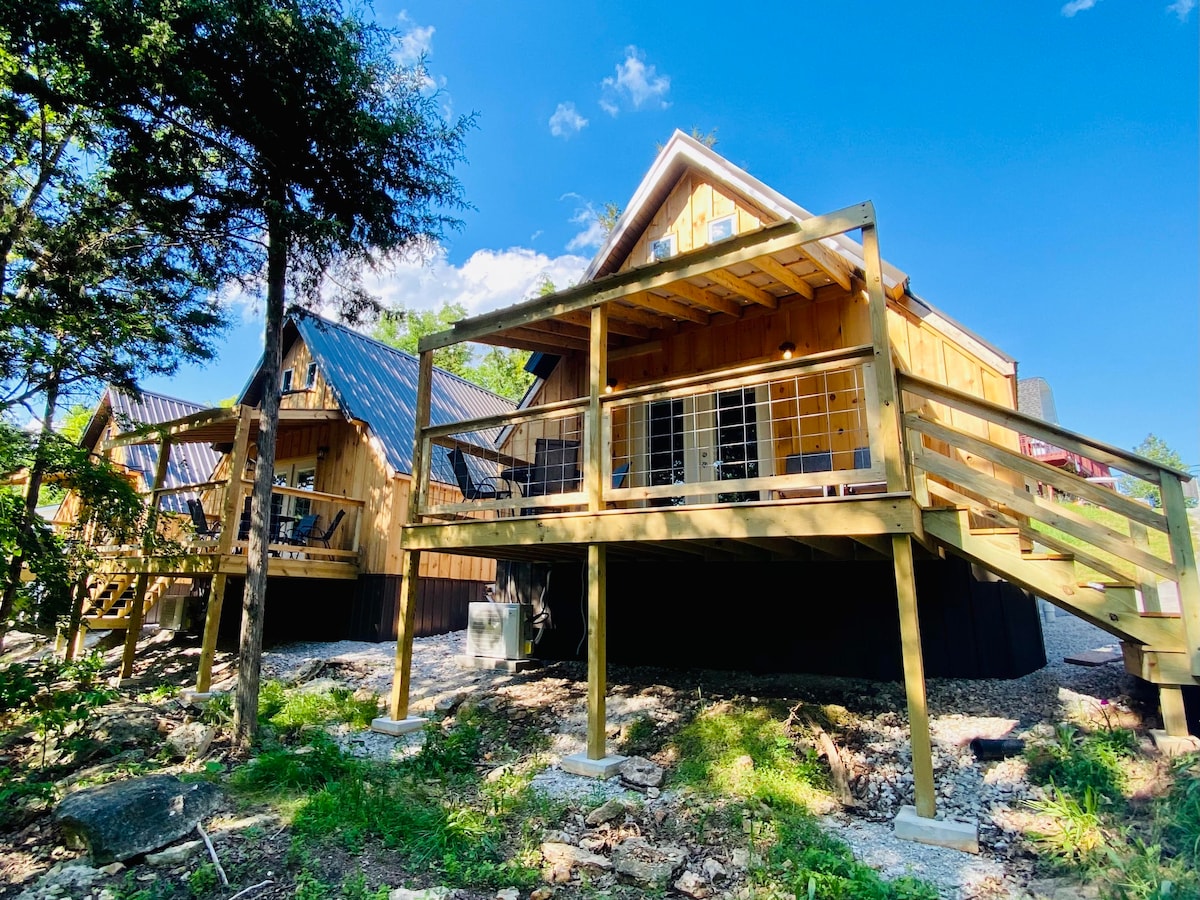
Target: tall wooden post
230	517
398	721
1184	557
597	648
136	611
1174	716
597	380
884	369
914	676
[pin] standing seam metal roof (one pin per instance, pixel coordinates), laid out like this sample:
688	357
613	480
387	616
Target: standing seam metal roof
377	384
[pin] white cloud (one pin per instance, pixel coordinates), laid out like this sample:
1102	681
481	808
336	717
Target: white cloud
1182	8
566	121
1077	6
635	84
489	279
415	42
592	233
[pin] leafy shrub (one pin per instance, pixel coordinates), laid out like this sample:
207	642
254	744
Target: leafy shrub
1076	764
290	710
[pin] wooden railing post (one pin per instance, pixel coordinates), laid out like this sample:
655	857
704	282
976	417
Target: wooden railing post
886	390
1184	557
597	381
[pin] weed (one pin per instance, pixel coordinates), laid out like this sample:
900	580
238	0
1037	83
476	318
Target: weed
641	737
291	710
1180	811
1076	763
203	881
1077	834
295	771
310	887
218	710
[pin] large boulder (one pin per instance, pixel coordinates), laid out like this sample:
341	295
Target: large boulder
648	865
122	819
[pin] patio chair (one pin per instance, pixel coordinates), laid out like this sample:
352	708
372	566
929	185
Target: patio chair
200	521
805	463
619	474
862	460
484	489
325	535
304	530
555	467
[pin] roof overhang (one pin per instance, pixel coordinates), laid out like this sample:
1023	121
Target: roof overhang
219	426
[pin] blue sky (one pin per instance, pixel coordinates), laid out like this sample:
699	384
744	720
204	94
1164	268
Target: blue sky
1033	165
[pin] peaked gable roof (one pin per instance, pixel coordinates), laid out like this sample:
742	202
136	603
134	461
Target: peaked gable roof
682	153
188	463
377	384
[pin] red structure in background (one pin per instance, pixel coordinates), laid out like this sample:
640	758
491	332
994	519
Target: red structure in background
1064	459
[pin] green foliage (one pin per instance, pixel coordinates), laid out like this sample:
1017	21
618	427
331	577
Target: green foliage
203	881
284	771
432	809
748	754
1181	811
498	369
1076	764
289	711
1077	834
1156	449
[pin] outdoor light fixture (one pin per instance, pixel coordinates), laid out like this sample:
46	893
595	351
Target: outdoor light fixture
610	385
787	348
322	452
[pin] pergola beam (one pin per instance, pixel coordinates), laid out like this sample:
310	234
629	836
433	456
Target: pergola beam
745	248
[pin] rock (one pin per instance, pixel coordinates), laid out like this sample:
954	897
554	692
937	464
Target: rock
653	793
646	864
433	893
606	812
557	874
542	893
592	844
191	740
308	671
693	885
450	703
739	858
573	857
713	869
73	879
497	773
640	772
173	856
107	894
508	893
112	868
125	818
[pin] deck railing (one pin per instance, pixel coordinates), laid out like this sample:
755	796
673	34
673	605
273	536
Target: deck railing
178	537
795	429
965	452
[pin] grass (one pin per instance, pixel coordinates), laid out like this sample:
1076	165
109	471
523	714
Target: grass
750	757
290	710
433	809
1094	831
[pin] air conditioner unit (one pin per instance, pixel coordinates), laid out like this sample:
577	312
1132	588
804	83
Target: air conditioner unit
498	630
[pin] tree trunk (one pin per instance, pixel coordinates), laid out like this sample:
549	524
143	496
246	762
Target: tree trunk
245	717
36	472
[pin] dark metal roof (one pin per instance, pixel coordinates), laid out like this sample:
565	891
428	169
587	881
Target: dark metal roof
377	384
188	464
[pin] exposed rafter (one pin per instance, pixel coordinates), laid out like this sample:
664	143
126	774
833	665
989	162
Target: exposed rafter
744	288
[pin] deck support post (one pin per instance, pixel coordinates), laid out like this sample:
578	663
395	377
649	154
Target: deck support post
212	624
1170	700
137	610
597	381
1184	558
914	677
398	721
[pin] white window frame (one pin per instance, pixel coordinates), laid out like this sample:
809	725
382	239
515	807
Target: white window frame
285	380
671	243
731	219
310	376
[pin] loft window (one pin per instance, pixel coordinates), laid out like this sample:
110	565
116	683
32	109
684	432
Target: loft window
663	248
285	382
310	377
720	229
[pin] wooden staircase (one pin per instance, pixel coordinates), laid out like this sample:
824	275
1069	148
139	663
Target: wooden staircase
984	500
111	599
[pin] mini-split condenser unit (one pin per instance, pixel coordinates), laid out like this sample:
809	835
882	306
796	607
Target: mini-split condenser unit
498	630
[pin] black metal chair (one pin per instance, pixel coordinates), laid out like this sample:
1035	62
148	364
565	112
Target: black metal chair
325	535
485	489
200	521
555	467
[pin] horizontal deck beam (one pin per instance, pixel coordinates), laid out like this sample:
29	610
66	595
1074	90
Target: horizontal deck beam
835	517
227	564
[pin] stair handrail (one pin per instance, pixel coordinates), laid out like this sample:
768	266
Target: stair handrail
1125	460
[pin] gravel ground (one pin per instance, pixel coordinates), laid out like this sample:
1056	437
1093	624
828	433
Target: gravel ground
875	748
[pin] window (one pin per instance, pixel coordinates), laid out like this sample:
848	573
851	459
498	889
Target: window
310	377
722	228
286	381
663	248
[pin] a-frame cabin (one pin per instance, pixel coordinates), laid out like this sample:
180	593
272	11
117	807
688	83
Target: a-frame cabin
738	379
343	472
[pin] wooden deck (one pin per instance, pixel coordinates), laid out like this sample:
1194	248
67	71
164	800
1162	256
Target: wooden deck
286	561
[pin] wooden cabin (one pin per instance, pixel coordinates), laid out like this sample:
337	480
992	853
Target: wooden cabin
741	383
343	456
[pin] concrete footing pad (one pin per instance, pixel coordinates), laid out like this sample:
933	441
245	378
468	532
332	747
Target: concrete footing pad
1174	745
395	728
495	665
939	832
581	764
189	698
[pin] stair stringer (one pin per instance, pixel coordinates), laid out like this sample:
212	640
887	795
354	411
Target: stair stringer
1114	611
